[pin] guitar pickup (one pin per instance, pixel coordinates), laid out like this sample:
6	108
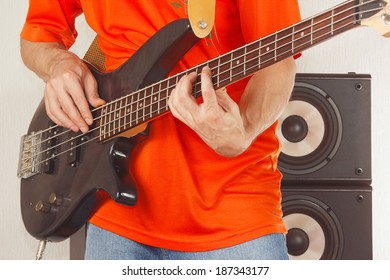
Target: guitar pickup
73	148
50	138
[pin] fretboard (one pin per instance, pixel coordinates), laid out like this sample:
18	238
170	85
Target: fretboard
152	101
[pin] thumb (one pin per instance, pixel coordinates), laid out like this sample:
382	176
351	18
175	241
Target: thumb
91	91
225	101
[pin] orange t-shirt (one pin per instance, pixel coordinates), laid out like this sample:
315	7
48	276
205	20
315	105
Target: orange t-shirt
189	198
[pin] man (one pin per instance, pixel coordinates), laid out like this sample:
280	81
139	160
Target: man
207	179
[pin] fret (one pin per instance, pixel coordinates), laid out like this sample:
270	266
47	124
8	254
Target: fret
150	103
115	117
154	100
144	104
159	98
218	73
141	107
224	70
284	43
171	83
119	115
276	47
292	40
109	124
127	114
138	107
133	111
244	61
302	36
196	88
163	94
259	53
252	62
267	50
231	67
106	120
147	103
237	64
311	31
344	18
332	23
103	127
214	66
322	27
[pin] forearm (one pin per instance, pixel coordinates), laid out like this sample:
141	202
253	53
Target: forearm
266	96
41	57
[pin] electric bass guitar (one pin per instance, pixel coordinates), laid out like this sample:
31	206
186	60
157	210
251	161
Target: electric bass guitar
61	171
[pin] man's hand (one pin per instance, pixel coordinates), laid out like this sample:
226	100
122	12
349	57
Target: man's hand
225	126
69	91
70	86
217	120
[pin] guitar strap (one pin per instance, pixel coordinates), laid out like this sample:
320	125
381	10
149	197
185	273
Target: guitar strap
201	14
95	56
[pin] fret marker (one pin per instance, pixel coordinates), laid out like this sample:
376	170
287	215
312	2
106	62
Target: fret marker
155	98
267	49
140	104
238	62
302	33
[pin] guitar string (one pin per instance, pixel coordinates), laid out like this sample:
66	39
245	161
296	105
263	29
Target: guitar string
153	112
273	58
189	70
184	72
140	102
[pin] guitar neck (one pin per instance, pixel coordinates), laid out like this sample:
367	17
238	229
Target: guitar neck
152	101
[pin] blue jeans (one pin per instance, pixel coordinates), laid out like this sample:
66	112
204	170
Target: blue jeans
104	245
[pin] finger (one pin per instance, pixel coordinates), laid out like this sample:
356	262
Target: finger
75	104
225	101
181	97
207	87
91	91
55	112
50	115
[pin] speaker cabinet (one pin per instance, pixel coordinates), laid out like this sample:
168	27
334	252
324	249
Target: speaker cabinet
325	159
328	222
326	129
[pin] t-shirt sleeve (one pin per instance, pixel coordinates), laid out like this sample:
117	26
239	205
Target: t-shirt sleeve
51	21
262	17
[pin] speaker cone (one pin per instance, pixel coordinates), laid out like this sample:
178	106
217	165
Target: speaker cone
314	232
310	130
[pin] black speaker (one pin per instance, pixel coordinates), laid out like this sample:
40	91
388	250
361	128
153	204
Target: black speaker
328	222
325	130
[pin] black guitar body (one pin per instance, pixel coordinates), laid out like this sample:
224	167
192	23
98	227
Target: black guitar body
58	201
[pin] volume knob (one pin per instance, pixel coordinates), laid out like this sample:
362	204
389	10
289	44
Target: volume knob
56	199
42	206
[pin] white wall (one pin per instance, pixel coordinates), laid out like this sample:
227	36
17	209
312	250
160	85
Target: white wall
21	91
365	52
362	51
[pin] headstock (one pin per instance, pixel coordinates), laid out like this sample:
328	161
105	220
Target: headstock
376	14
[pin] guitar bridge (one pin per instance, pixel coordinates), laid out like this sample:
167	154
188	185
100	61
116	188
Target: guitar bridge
30	157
